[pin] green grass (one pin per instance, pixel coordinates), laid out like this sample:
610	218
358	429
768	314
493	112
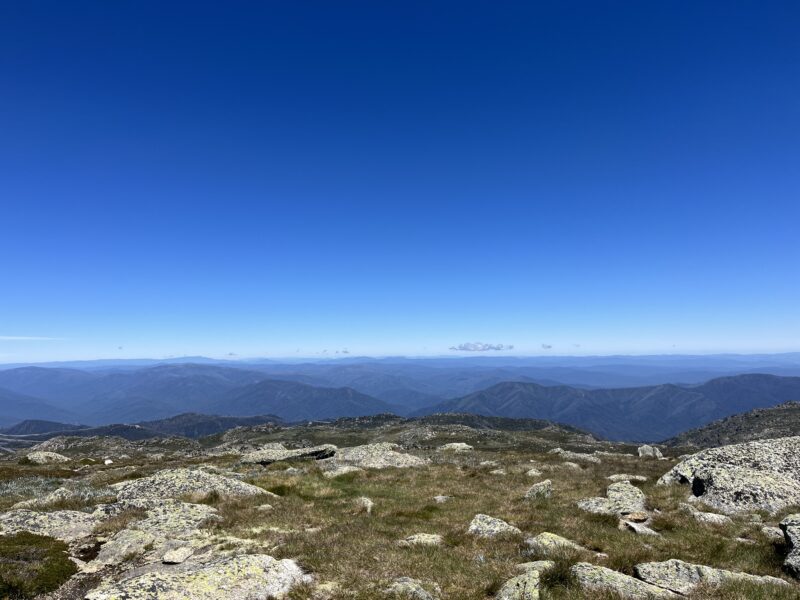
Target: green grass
31	565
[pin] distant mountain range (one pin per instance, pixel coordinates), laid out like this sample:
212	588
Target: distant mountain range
759	424
314	391
648	413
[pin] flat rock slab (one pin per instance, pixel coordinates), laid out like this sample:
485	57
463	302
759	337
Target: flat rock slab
64	525
175	483
595	578
46	458
268	456
762	475
455	447
251	577
569	455
682	577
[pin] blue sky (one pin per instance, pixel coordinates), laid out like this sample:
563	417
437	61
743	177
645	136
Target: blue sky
290	178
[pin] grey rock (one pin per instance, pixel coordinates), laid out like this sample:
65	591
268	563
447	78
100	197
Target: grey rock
648	451
455	447
763	475
46	458
521	587
422	539
251	577
622	498
547	544
682	577
626	477
773	533
175	483
790	526
376	456
405	587
569	455
64	525
177	556
543	489
278	453
486	526
594	578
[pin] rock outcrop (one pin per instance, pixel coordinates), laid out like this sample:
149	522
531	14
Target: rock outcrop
278	452
376	456
251	577
682	577
600	579
743	477
46	458
791	532
175	483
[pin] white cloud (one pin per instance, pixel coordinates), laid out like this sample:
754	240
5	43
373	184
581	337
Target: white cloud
480	347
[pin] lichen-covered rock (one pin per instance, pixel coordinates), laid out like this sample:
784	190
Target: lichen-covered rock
455	447
486	526
594	578
763	475
622	498
648	451
534	472
251	577
521	587
536	565
46	458
376	456
412	589
546	544
682	577
626	477
277	453
64	525
790	526
122	546
569	455
175	483
177	555
543	489
706	517
339	470
422	539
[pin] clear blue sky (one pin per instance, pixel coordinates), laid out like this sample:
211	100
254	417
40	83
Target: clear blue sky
285	178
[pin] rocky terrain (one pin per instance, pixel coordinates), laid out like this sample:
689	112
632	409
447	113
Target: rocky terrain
760	424
454	506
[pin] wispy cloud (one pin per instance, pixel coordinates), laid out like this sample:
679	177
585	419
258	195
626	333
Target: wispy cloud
28	338
480	347
547	346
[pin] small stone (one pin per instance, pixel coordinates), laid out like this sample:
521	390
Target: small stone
422	539
547	543
626	477
364	504
176	556
441	499
405	587
455	447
